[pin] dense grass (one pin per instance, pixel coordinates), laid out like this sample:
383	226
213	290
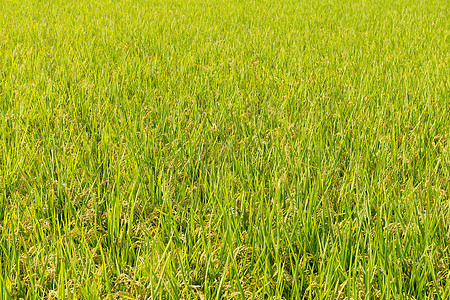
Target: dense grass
224	149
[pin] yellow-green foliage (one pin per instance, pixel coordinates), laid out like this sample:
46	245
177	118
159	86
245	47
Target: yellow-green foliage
195	149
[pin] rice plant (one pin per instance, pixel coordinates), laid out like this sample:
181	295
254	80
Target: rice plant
199	149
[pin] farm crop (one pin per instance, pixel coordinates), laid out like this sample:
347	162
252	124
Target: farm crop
198	149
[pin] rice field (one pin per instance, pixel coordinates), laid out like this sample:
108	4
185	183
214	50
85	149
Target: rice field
199	149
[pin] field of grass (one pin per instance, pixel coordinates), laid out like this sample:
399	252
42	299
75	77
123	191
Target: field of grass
195	149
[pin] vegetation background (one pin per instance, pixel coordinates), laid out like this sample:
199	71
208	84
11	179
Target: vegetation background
224	149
